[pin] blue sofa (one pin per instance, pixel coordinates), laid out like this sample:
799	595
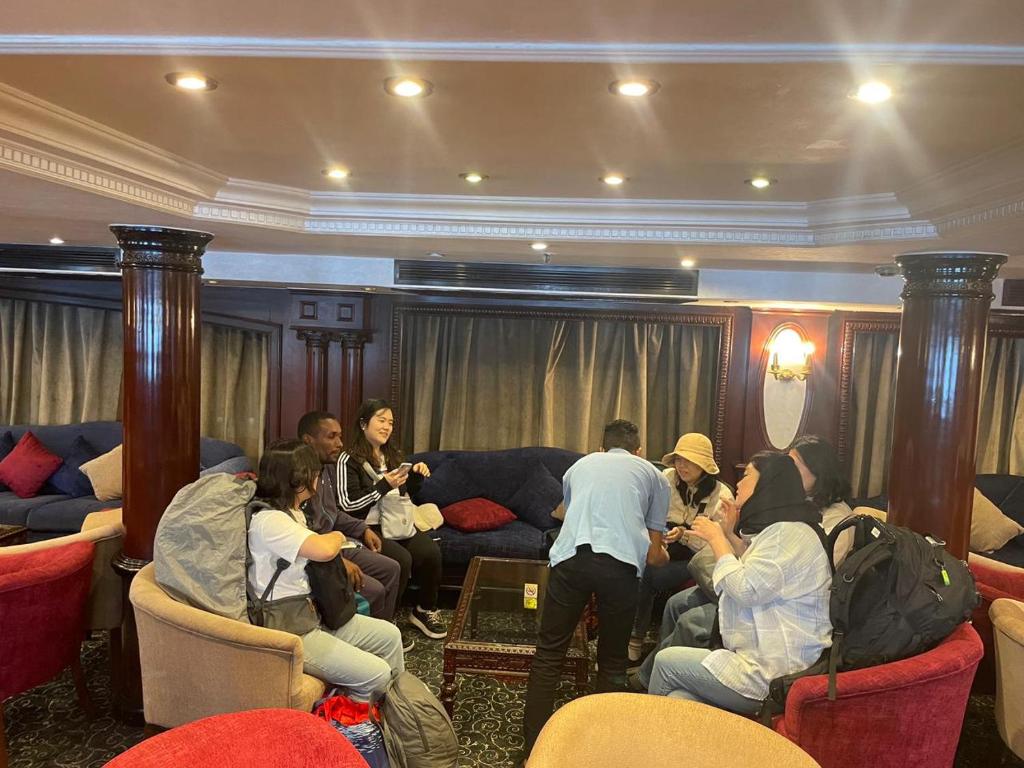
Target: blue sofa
1006	492
526	480
52	513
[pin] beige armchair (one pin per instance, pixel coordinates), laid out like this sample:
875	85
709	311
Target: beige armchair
635	730
196	664
104	529
1008	632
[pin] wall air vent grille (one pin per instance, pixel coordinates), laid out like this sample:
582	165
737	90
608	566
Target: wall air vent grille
1013	293
547	278
58	258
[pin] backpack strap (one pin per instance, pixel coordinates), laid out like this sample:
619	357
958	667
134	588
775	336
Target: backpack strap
257	603
825	542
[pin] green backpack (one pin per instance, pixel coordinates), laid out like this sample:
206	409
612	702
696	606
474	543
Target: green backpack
417	731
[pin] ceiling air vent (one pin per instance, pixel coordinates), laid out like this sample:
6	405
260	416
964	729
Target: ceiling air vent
547	278
58	259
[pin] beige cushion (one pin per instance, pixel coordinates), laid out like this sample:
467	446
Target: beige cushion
990	528
104	472
559	512
877	513
427	517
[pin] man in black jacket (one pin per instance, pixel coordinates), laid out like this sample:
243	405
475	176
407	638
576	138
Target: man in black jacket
374	575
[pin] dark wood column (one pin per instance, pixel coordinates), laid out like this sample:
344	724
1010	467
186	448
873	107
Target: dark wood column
318	342
352	343
938	384
160	271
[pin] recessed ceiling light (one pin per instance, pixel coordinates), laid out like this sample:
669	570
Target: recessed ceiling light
56	241
873	92
191	81
613	179
473	177
336	172
539	246
634	87
409	87
687	263
760	182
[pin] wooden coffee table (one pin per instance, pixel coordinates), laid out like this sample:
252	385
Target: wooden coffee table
12	534
494	633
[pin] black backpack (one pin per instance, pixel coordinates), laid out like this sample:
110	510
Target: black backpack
897	594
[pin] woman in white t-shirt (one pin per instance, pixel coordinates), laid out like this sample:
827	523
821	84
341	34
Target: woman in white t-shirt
365	653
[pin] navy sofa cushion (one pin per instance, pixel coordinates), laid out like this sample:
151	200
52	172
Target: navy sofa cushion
15	510
517	539
63	514
448	483
7	444
537	497
68	479
213	452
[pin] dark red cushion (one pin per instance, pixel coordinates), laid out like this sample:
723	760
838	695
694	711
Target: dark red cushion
477	515
28	466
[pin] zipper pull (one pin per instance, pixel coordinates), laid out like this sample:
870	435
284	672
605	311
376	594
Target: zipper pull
945	575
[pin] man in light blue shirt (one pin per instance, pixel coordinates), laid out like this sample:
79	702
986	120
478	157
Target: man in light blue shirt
616	505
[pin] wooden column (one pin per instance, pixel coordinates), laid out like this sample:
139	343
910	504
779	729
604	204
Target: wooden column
317	344
160	271
938	383
352	343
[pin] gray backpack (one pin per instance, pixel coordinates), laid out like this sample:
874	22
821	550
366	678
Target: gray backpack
417	731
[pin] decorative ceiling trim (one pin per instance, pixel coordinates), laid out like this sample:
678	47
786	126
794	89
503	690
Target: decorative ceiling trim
981	215
51	167
524	51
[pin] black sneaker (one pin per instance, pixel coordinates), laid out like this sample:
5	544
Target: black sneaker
408	643
428	622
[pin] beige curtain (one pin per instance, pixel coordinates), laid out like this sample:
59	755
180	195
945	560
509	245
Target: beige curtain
59	364
1001	416
485	382
872	397
234	386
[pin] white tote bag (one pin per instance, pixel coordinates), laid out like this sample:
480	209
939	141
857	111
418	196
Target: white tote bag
397	519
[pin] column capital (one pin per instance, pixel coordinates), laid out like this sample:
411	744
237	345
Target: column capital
351	339
178	250
955	274
314	337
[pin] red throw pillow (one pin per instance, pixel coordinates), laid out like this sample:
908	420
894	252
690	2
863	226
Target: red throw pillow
28	466
476	515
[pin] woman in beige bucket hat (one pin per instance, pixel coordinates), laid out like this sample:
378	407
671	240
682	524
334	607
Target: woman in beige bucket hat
696	490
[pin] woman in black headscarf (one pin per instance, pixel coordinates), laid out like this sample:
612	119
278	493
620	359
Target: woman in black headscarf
772	577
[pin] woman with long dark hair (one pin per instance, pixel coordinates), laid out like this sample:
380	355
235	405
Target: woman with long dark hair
826	486
692	474
374	484
772	577
363	653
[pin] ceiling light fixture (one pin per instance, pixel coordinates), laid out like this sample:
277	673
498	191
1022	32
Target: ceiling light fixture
56	240
687	263
539	246
613	179
408	87
634	87
336	172
872	92
473	177
191	81
760	182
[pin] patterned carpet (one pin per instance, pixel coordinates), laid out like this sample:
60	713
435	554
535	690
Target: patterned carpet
46	729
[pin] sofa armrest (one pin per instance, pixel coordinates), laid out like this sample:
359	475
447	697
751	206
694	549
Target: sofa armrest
196	664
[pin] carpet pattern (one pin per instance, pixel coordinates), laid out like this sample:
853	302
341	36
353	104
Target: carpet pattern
46	729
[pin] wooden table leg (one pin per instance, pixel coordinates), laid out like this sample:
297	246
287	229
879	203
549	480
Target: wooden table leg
449	687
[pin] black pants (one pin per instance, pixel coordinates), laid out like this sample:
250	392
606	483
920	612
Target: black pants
570	585
419	558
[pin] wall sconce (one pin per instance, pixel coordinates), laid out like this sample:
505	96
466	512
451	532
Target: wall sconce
789	355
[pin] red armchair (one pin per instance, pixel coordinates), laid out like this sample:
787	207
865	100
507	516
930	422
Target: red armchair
42	620
906	713
269	738
995	580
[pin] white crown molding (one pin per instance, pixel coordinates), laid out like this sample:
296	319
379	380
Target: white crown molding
30	161
980	215
524	51
28	119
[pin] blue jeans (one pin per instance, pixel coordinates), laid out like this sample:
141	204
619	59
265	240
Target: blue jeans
687	621
679	674
362	656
